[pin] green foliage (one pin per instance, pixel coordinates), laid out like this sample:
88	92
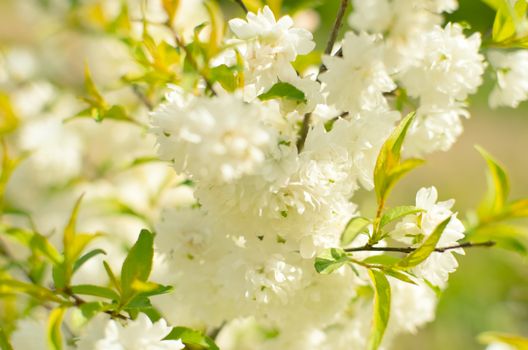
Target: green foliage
55	341
496	212
514	341
381	308
283	90
421	253
4	341
508	23
389	168
396	213
138	264
330	260
192	338
354	227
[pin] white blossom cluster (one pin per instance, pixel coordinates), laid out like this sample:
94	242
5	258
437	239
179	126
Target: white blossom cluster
240	208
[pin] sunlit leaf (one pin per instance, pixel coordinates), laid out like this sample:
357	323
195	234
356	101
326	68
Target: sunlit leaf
192	337
499	187
396	213
381	308
4	341
55	341
138	263
96	291
283	90
353	228
515	341
421	253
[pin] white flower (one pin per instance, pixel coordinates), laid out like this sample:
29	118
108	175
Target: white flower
269	47
417	227
512	78
436	128
139	334
371	15
215	139
449	64
357	81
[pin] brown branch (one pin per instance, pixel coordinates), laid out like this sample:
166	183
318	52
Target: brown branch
329	45
370	248
142	98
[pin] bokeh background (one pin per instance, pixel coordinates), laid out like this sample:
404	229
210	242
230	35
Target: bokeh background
490	289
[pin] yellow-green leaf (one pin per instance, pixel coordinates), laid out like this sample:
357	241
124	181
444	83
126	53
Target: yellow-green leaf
381	308
138	263
353	228
498	188
4	341
386	170
517	342
421	253
55	341
398	212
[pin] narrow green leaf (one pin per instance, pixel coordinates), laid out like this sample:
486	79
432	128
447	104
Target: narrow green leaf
517	209
192	337
96	291
111	276
382	259
4	341
92	253
421	253
509	237
55	341
381	308
92	308
138	263
389	158
353	228
36	291
398	212
69	230
498	192
226	76
283	90
399	274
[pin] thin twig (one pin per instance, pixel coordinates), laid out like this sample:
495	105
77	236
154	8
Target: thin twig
189	57
142	97
303	133
369	248
244	7
337	26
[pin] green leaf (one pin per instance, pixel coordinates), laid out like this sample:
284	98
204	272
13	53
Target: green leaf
330	260
382	259
4	341
421	253
283	90
55	341
35	242
381	308
92	308
96	291
192	337
398	212
69	230
226	76
509	237
517	209
87	257
111	276
34	290
401	275
515	341
498	189
138	263
353	228
388	168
